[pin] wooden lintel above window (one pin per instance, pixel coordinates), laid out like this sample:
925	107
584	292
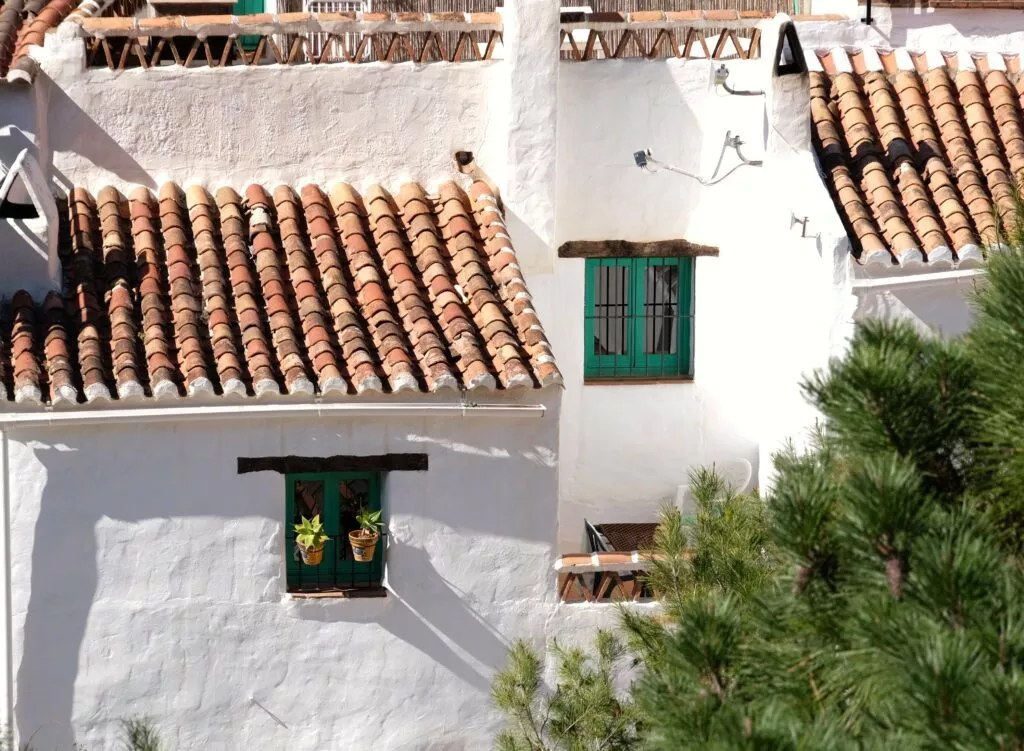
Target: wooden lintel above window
295	464
630	249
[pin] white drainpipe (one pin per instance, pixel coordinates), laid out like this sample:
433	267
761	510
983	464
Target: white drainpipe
5	559
86	416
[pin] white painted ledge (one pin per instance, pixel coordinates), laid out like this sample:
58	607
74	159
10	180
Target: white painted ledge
81	415
913	280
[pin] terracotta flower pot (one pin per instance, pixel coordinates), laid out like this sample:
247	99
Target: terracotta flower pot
311	556
364	544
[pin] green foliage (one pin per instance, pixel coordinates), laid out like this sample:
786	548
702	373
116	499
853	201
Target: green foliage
139	734
877	602
369	521
310	533
725	547
896	617
584	712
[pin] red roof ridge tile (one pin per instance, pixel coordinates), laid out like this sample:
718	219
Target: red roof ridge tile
245	291
347	329
302	278
24	361
892	60
124	336
413	307
217	304
447	298
370	290
93	360
56	353
462	239
189	333
514	292
161	372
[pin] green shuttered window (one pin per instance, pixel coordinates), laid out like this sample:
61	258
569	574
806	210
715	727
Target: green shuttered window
639	318
337	497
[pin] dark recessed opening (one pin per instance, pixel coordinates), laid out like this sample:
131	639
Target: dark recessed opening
789	55
11	210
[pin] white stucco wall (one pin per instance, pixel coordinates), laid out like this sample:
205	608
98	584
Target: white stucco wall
934	304
764	308
117	606
362	124
148	579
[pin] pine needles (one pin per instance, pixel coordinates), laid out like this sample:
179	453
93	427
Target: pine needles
877	600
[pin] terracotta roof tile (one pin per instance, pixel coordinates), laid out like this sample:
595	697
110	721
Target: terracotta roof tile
24	360
183	293
919	161
24	24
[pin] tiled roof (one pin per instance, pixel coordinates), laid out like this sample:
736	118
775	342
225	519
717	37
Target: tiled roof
302	293
919	161
24	23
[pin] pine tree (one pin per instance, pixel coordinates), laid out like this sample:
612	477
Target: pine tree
725	547
584	712
897	617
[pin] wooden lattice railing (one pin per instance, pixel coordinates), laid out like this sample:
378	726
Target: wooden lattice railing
287	38
601	577
712	34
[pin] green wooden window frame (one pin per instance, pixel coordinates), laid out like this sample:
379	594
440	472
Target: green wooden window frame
635	327
338	571
248	8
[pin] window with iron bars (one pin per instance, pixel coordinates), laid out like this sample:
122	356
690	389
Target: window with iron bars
342	44
336	497
639	318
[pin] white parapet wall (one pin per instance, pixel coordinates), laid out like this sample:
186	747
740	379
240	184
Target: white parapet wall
279	125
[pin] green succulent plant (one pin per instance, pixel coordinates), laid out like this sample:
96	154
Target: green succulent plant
310	533
369	521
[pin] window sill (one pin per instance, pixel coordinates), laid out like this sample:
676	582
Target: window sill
628	381
339	594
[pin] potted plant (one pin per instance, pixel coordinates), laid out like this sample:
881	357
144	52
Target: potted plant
310	539
364	539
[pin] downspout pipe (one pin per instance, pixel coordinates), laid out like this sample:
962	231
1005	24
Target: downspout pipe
8	621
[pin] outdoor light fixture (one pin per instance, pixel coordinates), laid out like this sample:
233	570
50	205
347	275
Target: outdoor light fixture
646	161
722	79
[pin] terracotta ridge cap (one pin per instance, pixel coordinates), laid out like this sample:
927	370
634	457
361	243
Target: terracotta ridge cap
894	60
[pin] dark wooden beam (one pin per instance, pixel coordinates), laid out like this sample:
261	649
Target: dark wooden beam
629	249
289	464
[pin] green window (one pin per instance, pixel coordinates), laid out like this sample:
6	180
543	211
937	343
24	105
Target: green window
337	497
639	318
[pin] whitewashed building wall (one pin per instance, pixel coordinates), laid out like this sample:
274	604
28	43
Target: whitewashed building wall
147	575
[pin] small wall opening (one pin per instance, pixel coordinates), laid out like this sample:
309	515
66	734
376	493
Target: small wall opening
17	210
789	55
